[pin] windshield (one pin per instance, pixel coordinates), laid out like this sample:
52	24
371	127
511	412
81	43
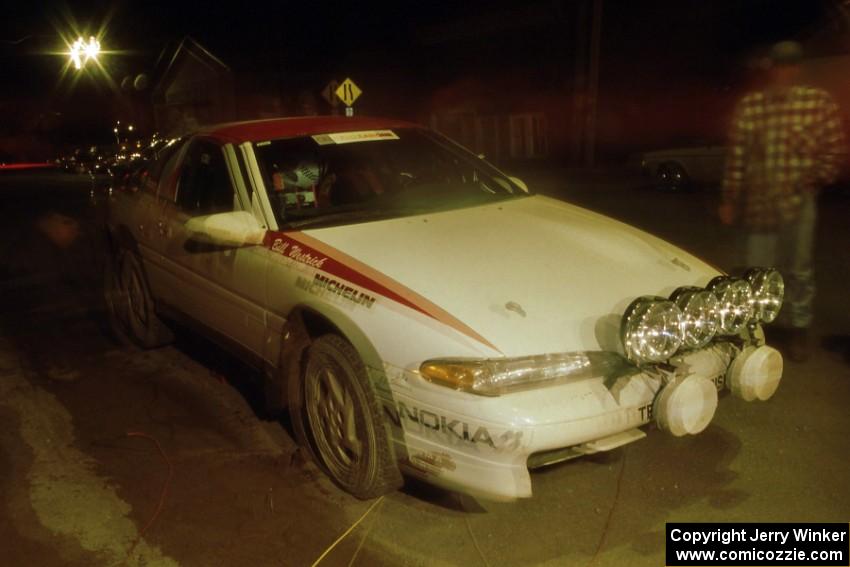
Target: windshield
358	176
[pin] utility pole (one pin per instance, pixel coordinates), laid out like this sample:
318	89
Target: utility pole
593	84
579	90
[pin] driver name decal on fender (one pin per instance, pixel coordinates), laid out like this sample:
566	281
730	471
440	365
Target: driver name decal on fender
451	431
297	253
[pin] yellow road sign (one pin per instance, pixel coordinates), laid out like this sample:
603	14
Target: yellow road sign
348	92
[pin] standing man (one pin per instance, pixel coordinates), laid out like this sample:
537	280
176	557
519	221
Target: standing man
785	144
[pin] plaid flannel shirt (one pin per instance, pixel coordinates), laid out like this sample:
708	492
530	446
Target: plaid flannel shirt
783	145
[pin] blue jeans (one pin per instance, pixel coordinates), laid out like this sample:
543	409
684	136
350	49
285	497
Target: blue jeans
789	249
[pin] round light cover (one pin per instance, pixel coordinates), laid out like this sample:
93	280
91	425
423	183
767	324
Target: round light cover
768	291
700	315
735	308
686	407
651	329
755	373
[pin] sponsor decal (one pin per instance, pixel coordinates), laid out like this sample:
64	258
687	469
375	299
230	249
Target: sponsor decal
645	412
719	381
314	253
451	431
434	461
394	374
323	285
297	253
626	417
352	137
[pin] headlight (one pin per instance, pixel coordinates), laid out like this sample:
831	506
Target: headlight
735	308
768	289
700	317
497	376
651	329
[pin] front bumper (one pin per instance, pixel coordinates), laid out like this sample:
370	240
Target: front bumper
487	453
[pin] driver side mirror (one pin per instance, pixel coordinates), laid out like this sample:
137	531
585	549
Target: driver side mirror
519	183
236	228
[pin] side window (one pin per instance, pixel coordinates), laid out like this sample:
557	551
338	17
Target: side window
204	187
162	172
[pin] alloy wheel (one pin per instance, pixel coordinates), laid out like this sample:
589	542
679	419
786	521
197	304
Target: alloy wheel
332	414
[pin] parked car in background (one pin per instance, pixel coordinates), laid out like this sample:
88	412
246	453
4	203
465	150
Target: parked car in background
685	167
92	160
128	167
419	311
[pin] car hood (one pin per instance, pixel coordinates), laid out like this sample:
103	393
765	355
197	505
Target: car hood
530	275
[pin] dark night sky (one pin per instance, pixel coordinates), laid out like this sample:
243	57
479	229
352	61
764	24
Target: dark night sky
676	38
674	33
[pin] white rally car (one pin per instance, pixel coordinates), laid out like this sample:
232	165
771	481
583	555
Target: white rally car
419	311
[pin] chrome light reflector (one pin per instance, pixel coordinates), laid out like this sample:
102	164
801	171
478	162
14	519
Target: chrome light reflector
735	308
768	292
651	329
700	315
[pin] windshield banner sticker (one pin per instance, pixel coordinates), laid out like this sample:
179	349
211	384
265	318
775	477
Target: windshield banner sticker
351	137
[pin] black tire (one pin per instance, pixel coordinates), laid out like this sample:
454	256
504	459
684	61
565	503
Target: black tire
130	308
340	419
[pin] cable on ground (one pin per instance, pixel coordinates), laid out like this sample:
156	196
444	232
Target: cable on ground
162	494
363	539
610	512
348	531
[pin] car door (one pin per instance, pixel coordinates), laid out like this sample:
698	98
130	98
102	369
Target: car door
159	185
221	287
132	209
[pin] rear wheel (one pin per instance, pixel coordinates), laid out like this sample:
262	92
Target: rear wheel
129	305
343	419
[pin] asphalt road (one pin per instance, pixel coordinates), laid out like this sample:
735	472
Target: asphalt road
114	456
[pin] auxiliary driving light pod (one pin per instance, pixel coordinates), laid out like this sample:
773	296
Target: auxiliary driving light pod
700	315
768	291
686	406
735	307
755	373
651	329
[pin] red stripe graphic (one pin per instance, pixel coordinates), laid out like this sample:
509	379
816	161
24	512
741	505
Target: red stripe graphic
308	250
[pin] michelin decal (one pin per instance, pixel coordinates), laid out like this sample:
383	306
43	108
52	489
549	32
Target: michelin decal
322	285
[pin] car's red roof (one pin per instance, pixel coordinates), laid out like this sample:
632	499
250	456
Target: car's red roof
261	130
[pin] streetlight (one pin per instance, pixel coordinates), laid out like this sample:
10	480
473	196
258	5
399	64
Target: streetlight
81	52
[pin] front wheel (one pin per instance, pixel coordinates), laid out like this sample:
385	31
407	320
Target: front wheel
348	437
129	305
